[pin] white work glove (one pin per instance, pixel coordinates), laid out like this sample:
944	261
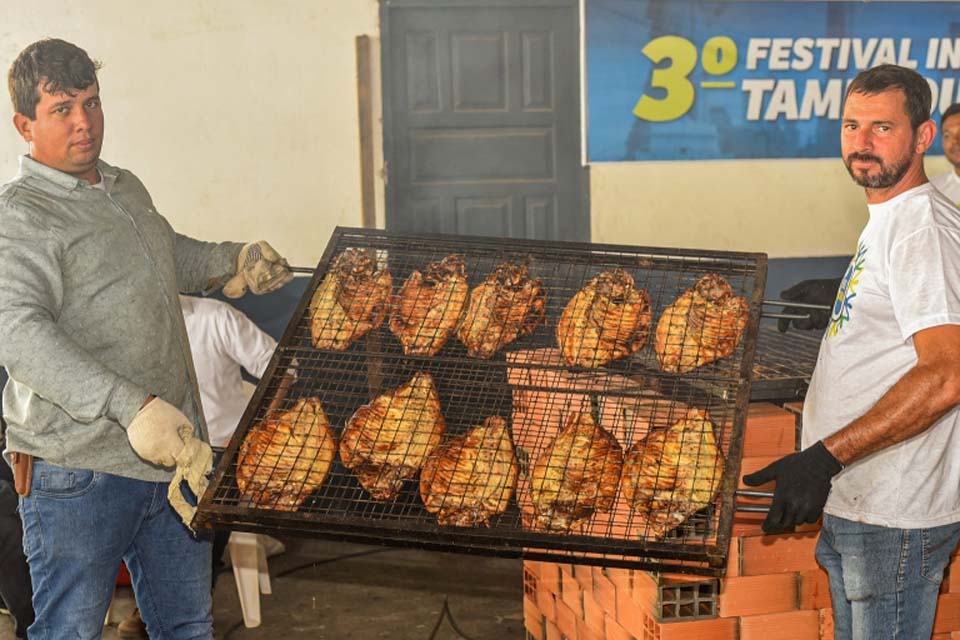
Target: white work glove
194	463
259	268
162	434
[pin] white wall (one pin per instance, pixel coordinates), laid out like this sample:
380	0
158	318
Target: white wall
240	116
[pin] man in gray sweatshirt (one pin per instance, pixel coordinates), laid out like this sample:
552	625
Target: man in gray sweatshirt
102	396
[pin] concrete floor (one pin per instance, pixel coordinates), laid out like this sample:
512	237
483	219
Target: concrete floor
392	594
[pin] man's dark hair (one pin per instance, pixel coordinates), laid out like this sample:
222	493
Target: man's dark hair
61	67
951	111
885	77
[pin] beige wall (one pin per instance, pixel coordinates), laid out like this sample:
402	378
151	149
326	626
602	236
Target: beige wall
241	118
785	208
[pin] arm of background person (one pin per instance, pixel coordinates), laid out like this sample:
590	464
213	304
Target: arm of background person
34	349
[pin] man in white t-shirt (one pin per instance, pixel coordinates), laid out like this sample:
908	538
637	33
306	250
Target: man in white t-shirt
949	181
881	427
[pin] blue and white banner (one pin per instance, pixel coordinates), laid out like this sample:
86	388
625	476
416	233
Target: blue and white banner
695	79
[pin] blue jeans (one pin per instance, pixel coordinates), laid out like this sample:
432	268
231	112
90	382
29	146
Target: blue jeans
78	525
884	582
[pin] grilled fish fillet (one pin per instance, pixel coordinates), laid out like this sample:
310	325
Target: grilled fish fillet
705	324
471	478
429	306
352	299
285	457
387	441
607	320
508	305
576	475
673	472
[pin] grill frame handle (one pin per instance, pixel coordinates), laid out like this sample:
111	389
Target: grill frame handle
753	508
759	508
790	316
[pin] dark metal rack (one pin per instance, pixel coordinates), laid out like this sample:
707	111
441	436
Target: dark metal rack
784	363
630	397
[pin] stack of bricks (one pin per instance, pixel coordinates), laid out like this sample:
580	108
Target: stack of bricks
772	587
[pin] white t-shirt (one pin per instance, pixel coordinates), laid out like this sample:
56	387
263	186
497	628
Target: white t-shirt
904	277
949	184
222	340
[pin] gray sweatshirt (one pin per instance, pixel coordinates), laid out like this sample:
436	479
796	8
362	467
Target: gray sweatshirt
90	322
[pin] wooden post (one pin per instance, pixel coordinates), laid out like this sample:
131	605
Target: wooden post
365	115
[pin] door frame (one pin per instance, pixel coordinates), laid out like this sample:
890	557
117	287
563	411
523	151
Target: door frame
386	87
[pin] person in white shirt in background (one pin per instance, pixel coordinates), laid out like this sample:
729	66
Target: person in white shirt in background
222	342
949	182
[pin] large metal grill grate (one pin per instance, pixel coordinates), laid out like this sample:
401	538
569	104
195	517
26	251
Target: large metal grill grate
784	363
533	389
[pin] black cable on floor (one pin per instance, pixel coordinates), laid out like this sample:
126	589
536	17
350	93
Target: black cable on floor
447	613
317	563
314	563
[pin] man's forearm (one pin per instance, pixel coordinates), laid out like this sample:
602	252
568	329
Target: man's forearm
203	265
908	408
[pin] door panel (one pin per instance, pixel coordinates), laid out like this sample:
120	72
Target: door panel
471	156
482	120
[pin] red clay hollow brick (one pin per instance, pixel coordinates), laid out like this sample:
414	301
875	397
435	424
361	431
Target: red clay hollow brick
770	431
716	629
553	632
566	620
585	632
814	589
570	593
592	613
614	631
826	624
948	613
631	615
794	625
748	465
782	553
733	558
953	575
532	619
604	592
755	595
547	603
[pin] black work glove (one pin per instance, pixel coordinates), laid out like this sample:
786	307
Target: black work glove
811	292
803	482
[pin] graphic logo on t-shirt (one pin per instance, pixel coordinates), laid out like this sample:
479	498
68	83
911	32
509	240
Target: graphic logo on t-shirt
843	305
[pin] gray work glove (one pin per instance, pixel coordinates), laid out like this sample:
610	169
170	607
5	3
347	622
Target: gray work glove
259	268
160	433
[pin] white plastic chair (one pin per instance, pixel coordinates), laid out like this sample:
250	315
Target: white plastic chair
249	561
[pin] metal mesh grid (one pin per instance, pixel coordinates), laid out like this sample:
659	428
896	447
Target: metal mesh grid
784	363
621	407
